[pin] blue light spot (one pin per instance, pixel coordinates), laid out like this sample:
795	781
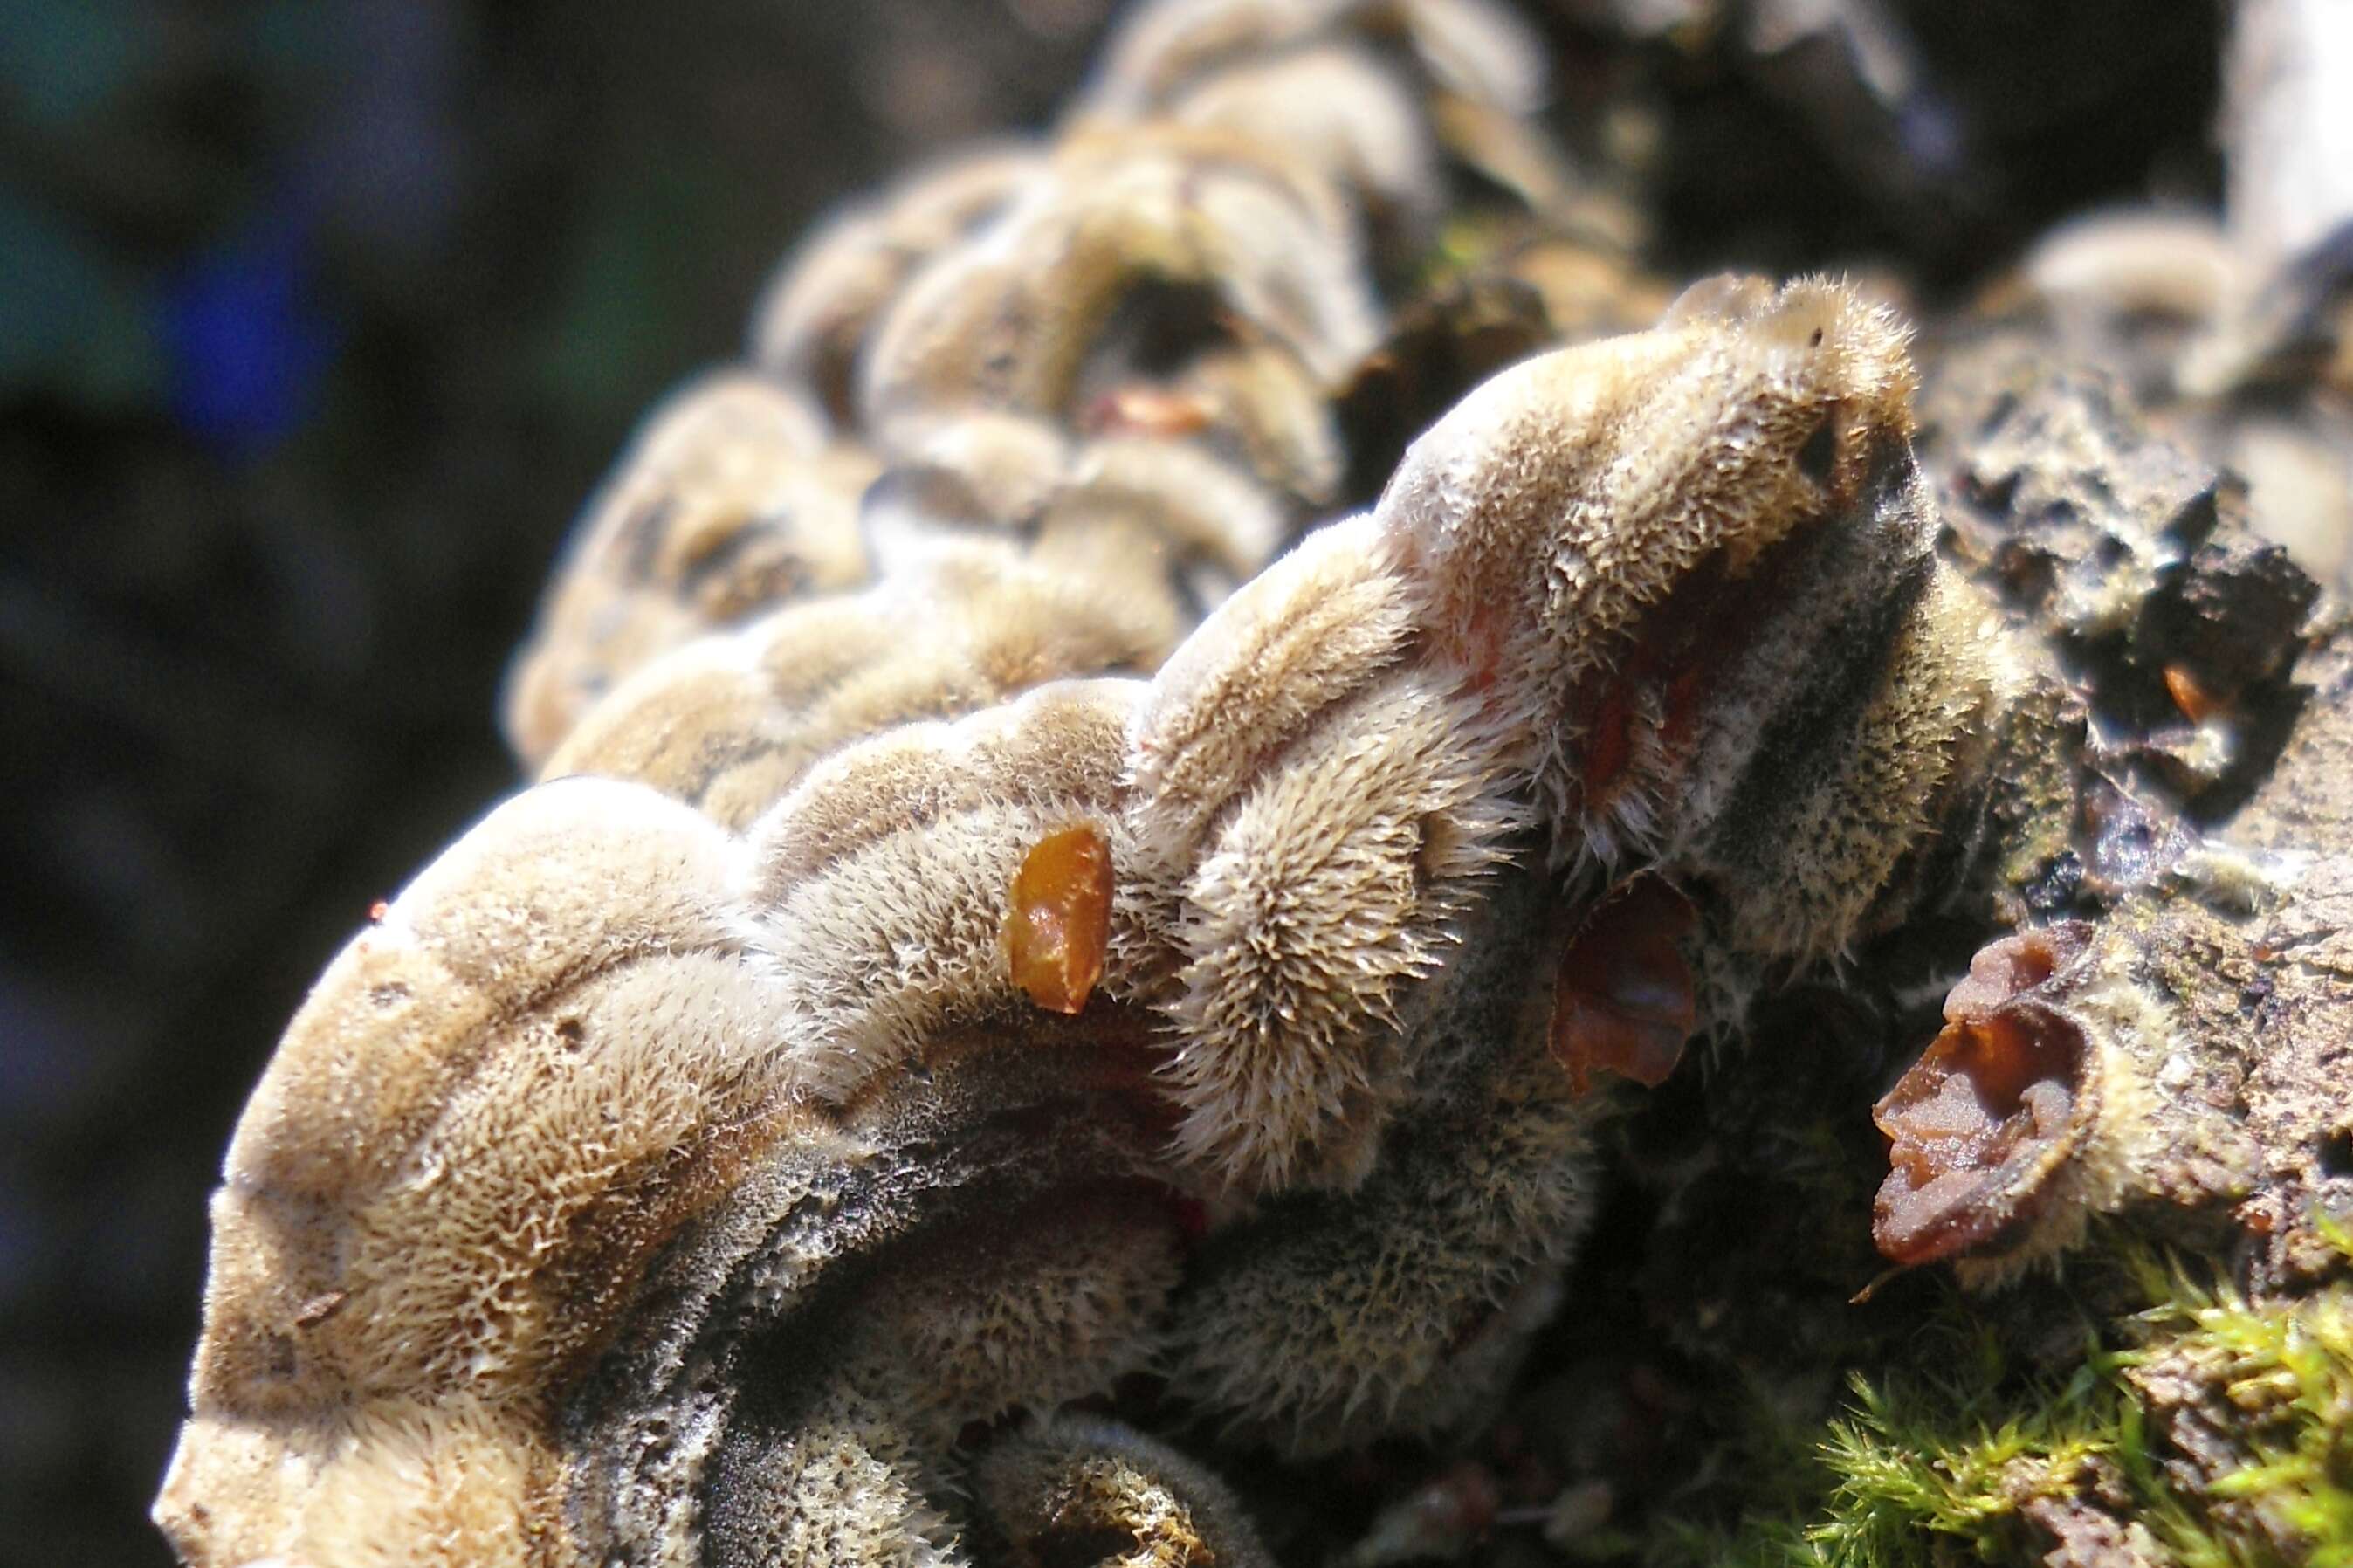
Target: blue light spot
248	341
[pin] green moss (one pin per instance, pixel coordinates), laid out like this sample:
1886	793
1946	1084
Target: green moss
2282	1375
1938	1457
1918	1464
1923	1470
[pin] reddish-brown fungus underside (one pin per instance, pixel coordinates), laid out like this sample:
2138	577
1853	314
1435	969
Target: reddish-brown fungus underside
1647	709
1623	998
1609	746
1058	921
1990	1112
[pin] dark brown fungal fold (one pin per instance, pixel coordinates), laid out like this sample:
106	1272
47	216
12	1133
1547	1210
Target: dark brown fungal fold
845	1312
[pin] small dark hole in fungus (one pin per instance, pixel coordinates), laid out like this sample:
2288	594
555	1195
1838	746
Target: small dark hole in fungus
2335	1155
1152	330
1819	456
1980	1125
571	1032
1083	1548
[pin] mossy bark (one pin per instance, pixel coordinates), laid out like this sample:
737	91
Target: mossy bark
2177	1387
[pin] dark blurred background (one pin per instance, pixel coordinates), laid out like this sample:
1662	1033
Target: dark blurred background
320	317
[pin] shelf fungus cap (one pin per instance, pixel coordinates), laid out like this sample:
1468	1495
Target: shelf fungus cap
1565	518
813	321
1473	48
554	1049
731	500
2019	1122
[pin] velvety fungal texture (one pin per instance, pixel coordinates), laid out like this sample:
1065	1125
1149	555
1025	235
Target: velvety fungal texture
1044	914
775	1145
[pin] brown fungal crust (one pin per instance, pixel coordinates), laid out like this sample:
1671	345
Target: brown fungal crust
1982	1125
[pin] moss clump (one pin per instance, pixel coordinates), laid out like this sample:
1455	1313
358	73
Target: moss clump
1930	1469
2278	1486
2209	1430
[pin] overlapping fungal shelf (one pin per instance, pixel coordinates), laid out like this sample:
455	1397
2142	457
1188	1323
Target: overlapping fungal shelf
1027	890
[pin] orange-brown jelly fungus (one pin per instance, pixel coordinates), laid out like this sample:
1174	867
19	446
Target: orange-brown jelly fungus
1147	411
1623	999
1987	1115
2189	694
1057	921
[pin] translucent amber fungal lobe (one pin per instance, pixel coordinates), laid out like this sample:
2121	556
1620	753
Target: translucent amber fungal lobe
1058	922
1983	1124
1623	998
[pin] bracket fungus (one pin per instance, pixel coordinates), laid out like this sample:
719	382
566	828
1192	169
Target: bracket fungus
1283	899
1061	921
